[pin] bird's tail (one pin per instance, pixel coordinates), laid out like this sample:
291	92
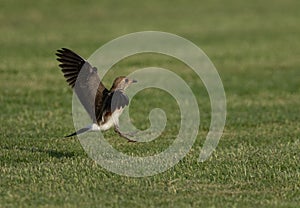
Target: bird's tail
92	127
80	131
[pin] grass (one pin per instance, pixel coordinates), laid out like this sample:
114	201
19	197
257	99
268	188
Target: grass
255	47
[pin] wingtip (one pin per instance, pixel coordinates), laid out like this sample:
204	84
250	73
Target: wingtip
62	50
67	50
59	51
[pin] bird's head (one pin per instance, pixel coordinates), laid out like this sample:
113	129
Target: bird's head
122	82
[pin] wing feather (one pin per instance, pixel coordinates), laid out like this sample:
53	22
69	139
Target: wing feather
113	101
83	78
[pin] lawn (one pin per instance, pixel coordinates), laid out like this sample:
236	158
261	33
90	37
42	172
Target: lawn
255	47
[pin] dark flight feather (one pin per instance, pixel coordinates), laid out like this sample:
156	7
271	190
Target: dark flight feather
83	78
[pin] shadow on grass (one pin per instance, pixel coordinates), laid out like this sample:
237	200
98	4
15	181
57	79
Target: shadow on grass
58	154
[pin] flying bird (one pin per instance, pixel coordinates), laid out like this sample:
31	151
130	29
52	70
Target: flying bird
103	106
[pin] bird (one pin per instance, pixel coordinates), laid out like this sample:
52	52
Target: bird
103	105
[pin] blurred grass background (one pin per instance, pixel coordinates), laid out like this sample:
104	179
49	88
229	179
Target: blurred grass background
255	47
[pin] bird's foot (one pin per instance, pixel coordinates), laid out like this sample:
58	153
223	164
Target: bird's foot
129	140
125	135
131	134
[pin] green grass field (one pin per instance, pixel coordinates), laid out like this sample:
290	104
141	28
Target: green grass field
254	45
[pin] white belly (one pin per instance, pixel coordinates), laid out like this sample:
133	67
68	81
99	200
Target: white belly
112	121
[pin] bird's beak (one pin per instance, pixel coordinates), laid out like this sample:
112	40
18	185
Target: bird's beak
133	81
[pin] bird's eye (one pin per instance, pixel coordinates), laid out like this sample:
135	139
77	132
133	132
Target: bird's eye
126	80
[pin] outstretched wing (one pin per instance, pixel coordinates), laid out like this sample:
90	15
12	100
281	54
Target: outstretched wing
113	101
83	78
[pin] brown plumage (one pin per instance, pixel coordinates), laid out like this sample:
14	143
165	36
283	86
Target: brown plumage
104	106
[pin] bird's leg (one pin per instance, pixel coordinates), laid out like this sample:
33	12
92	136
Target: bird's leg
131	133
117	130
